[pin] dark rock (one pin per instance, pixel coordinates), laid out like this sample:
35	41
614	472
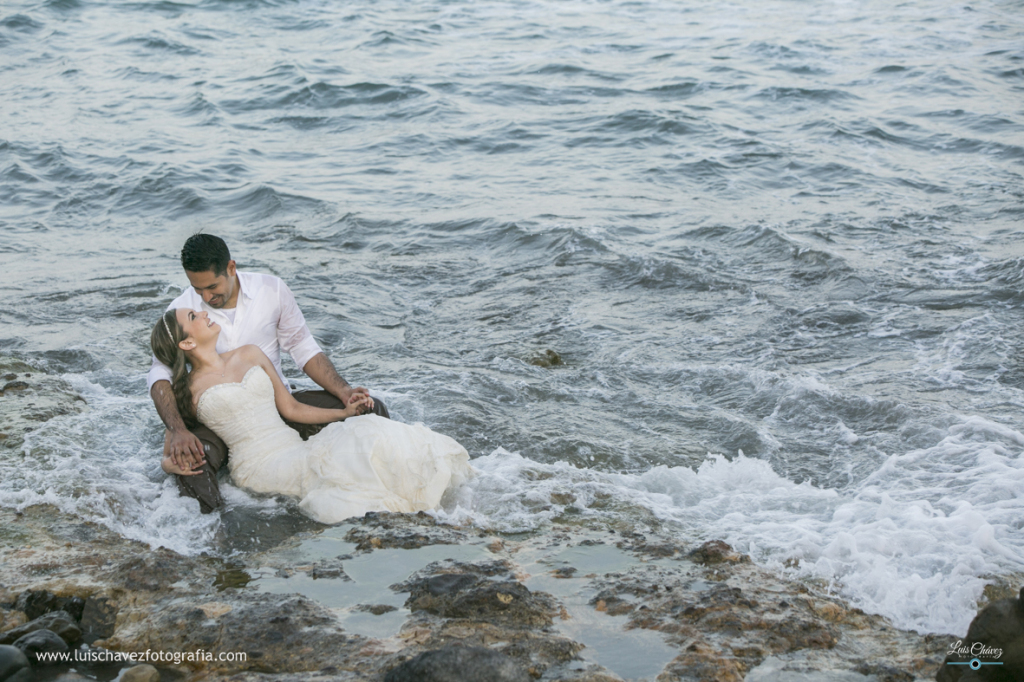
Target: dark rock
716	552
36	603
59	622
41	642
14	386
449	583
14	667
466	596
380	530
995	635
329	572
458	664
290	633
376	609
98	618
546	358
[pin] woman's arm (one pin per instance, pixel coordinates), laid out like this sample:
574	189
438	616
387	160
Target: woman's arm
290	408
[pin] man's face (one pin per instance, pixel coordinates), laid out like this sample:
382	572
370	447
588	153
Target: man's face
217	291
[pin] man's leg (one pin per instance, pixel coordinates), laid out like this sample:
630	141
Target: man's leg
329	402
203	486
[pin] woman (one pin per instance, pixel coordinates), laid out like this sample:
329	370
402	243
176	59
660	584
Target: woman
359	464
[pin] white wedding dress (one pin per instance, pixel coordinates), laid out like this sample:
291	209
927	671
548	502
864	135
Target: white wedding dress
365	463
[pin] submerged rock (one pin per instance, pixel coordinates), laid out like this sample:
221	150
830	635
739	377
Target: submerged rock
545	358
458	664
29	397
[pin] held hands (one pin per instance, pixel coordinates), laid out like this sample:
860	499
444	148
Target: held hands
168	465
184	452
357	403
355	395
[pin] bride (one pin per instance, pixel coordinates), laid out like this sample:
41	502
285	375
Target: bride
355	465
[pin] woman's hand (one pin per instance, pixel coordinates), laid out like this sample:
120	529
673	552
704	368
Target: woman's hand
171	467
350	394
359	403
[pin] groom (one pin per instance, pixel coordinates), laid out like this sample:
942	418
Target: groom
250	309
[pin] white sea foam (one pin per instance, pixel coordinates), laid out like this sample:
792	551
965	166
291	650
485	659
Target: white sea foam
104	466
916	541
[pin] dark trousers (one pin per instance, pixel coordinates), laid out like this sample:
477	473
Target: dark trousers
204	487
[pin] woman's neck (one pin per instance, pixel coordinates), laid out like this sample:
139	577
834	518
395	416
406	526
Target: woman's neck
206	359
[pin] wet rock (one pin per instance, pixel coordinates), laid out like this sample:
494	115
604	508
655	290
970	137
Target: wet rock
884	673
99	616
328	573
716	552
995	635
376	609
14	667
289	633
41	642
36	603
59	622
401	531
28	398
458	664
545	358
465	595
151	572
703	662
140	673
12	619
215	609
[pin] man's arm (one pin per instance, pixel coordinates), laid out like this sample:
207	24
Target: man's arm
181	445
321	370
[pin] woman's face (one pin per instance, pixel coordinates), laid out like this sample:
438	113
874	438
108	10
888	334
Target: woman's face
197	325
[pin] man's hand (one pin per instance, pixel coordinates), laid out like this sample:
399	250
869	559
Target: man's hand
352	395
321	370
184	449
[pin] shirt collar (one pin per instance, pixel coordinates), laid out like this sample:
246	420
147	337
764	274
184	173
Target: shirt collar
248	285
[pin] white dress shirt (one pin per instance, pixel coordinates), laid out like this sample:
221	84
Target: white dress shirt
265	315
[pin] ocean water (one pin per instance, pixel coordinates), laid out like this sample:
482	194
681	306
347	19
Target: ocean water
776	245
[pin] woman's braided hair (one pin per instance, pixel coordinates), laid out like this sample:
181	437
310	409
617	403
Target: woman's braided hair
164	339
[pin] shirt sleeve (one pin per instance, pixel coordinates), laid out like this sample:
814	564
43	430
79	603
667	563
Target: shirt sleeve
158	371
292	332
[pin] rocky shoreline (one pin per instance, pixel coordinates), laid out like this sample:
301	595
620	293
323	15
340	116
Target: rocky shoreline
712	613
394	598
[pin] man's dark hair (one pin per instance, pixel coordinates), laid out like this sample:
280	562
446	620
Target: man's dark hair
204	252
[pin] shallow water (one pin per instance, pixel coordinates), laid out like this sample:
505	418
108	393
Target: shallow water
776	229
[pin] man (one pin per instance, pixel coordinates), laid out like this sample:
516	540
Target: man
250	308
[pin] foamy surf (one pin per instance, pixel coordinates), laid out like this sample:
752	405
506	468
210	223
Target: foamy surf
917	541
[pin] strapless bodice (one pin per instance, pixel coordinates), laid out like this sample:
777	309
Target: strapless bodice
245	416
